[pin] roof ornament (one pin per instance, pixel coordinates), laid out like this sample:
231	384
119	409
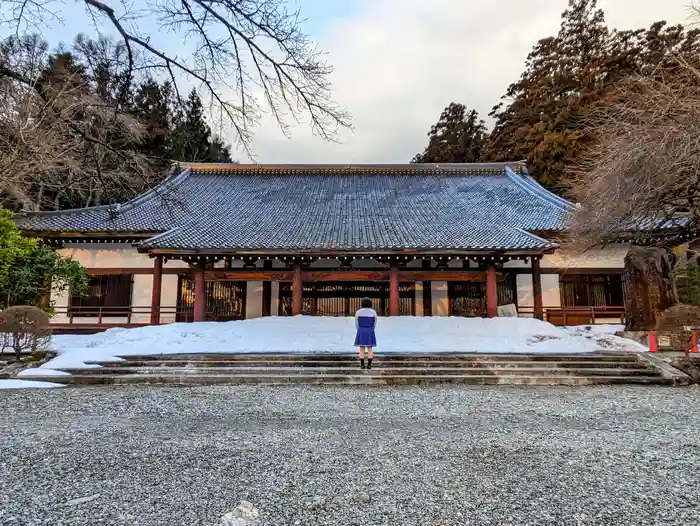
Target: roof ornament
114	210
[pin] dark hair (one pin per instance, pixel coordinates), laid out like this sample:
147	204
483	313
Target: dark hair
366	303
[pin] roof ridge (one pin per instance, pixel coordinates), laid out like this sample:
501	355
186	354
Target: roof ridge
383	168
531	186
535	236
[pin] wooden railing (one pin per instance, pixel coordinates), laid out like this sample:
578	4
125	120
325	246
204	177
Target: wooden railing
108	317
577	315
112	316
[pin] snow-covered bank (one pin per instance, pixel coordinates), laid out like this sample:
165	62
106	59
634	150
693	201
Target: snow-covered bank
26	384
303	334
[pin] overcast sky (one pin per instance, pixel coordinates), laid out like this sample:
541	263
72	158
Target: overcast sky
398	63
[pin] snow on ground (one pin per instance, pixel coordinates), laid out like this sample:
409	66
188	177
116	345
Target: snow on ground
42	372
26	384
304	334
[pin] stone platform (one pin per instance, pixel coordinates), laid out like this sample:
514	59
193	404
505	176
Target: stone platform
320	369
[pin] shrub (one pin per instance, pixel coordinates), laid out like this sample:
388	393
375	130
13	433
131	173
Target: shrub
24	328
677	318
687	277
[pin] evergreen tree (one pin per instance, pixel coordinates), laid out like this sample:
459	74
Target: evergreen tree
152	105
458	137
543	123
543	116
192	137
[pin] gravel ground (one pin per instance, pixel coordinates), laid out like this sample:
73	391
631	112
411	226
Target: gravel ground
428	457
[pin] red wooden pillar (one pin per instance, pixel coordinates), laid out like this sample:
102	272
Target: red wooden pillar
200	299
296	290
491	291
46	296
537	287
394	308
156	292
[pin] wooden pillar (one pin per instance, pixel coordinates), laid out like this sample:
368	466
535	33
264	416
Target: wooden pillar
491	291
537	287
267	291
200	299
427	291
46	296
156	291
296	290
394	308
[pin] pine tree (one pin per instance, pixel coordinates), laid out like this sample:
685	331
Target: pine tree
543	117
544	121
192	137
458	137
152	105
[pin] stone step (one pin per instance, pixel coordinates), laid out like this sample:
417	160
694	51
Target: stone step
378	362
389	371
311	356
369	378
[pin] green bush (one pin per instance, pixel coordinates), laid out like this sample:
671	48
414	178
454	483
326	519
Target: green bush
29	269
687	280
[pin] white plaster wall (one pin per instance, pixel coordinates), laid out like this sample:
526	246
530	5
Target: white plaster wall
419	298
115	255
440	301
168	297
610	257
550	290
275	298
253	300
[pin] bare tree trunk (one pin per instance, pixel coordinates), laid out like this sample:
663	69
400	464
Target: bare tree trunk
649	278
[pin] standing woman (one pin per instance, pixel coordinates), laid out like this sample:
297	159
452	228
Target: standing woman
365	322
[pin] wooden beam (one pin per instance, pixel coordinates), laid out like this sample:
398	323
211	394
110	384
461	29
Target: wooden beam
442	275
249	275
566	270
156	290
491	291
107	271
345	275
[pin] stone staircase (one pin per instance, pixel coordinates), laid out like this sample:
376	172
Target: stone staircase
268	369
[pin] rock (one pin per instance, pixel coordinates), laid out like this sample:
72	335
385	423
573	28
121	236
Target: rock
245	514
81	500
315	504
363	497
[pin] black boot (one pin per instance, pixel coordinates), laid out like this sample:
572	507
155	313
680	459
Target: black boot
369	363
362	363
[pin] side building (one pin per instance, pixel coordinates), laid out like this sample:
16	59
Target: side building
233	241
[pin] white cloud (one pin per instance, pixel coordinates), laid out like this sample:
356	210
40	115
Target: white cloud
398	63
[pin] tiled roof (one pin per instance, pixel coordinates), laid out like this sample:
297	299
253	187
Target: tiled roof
314	207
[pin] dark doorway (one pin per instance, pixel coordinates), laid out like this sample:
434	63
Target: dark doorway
226	300
468	298
343	298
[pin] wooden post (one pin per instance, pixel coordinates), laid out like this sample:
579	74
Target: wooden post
491	291
296	290
394	308
427	291
267	291
156	292
200	299
537	287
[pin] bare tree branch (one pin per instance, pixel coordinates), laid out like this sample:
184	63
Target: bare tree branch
250	57
642	175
